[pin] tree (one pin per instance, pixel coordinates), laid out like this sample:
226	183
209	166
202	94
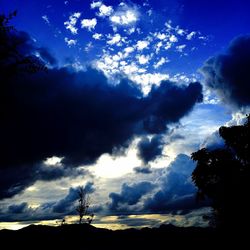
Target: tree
223	175
83	206
13	60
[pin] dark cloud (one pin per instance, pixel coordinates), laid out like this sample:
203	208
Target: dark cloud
129	195
143	170
213	141
17	209
228	74
75	115
177	191
150	149
67	204
13	183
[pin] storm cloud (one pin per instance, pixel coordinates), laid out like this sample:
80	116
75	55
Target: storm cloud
176	190
130	195
75	115
228	74
150	149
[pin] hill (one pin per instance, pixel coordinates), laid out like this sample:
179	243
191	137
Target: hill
88	236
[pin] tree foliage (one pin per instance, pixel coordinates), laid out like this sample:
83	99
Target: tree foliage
13	60
223	175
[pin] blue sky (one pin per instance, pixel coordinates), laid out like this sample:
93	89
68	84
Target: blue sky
145	42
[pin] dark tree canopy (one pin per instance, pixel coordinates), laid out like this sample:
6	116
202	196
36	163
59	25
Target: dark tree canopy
223	176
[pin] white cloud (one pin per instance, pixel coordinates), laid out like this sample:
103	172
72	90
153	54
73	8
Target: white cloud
142	59
88	47
94	5
181	32
89	23
168	46
115	39
70	42
161	36
158	47
148	79
140	45
124	17
173	39
70	24
128	51
97	36
46	19
180	48
105	10
191	35
161	62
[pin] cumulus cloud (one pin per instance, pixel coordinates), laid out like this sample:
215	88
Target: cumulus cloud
75	115
140	45
124	17
105	10
143	59
71	23
228	74
190	35
114	39
97	36
177	192
150	149
130	195
70	42
67	204
160	62
89	23
94	4
143	170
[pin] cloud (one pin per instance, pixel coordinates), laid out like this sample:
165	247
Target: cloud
228	74
114	40
141	45
67	204
177	191
143	170
89	23
180	48
191	35
97	36
70	42
160	62
173	39
70	24
18	209
126	17
46	19
129	195
142	59
105	10
94	5
77	116
214	141
150	149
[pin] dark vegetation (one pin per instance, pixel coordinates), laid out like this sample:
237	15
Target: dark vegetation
223	175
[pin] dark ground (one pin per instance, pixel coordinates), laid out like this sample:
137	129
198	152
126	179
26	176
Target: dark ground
86	236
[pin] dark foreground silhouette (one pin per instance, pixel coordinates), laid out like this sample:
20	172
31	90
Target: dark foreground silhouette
86	235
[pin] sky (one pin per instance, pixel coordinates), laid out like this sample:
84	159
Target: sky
132	89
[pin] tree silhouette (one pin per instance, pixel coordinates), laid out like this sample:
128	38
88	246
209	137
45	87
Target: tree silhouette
223	175
13	60
83	206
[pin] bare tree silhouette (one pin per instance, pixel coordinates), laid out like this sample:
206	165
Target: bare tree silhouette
83	204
